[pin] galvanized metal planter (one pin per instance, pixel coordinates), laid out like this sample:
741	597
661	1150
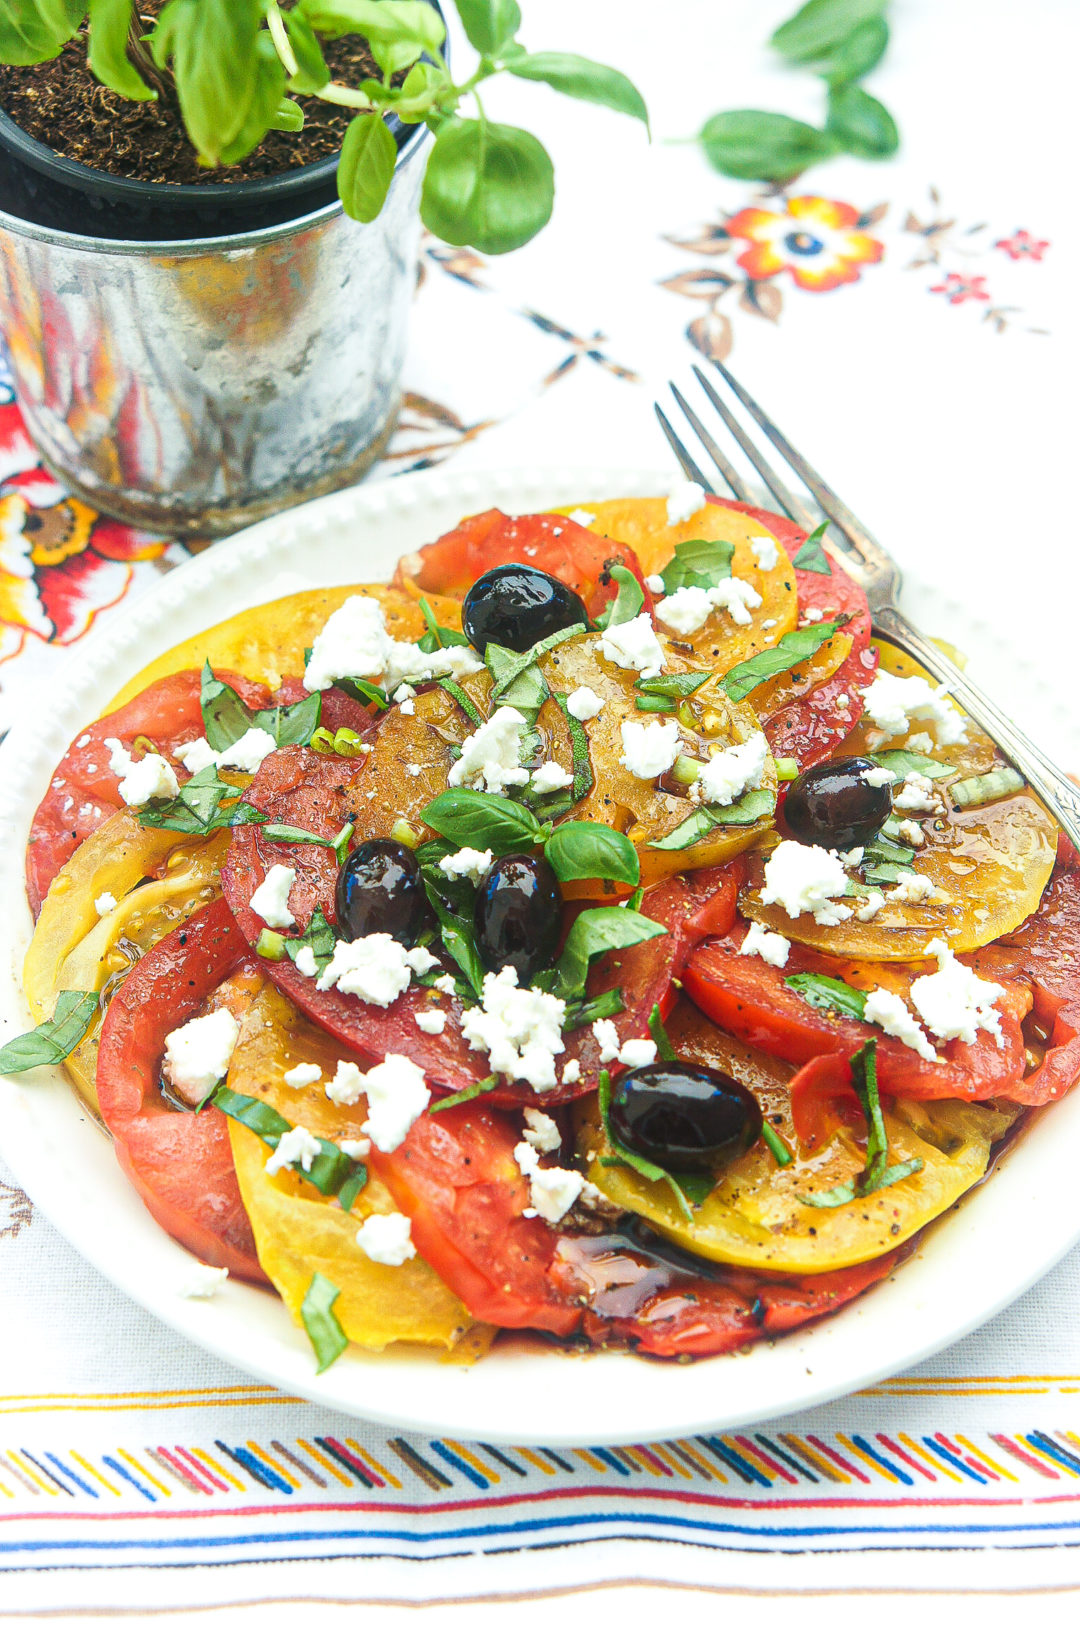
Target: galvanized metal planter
194	387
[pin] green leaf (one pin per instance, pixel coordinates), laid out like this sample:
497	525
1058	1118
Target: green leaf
793	647
883	851
331	1169
525	690
627	602
853	57
679	686
293	836
658	1032
383	23
107	52
775	1144
860	124
206	803
828	994
368	694
456	931
312	73
472	818
697	563
812	556
291	725
511	664
225	716
489	24
580	851
594	932
579	744
754	146
488	186
366	167
51	1041
821	25
979	789
437	637
289	115
875	1175
588	81
227	84
320	1323
469	1093
581	1013
850	1191
458	695
319	936
754	805
901	763
33	31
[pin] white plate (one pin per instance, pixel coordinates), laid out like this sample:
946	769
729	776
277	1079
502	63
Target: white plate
1001	1240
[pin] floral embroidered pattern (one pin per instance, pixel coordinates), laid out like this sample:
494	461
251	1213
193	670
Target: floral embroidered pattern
957	288
16	1211
942	238
1022	246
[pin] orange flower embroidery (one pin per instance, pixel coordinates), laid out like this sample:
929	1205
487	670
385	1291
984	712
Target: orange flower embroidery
815	239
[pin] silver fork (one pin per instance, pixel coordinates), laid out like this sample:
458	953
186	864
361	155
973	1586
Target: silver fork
856	550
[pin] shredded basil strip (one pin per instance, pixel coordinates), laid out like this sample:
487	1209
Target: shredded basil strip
793	647
664	1047
812	556
319	936
584	779
320	1323
982	788
884	851
481	1087
198	808
755	805
368	694
526	691
55	1038
520	663
627	1158
676	686
594	932
456	931
581	1013
291	835
226	718
775	1144
875	1175
827	993
331	1172
458	695
901	763
437	637
698	563
628	601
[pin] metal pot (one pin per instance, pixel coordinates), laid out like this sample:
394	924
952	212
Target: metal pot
193	386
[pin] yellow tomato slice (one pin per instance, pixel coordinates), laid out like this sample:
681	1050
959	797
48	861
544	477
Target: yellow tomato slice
297	1230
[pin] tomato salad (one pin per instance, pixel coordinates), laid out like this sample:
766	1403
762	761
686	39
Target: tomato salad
594	931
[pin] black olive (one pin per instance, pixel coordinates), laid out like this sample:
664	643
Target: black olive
833	805
379	889
684	1116
516	606
518	916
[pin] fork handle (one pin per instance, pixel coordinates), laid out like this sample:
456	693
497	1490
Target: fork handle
1060	796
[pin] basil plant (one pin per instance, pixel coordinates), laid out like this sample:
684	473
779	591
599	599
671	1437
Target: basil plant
239	68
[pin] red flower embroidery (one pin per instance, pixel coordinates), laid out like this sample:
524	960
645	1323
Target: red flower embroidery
1022	246
957	288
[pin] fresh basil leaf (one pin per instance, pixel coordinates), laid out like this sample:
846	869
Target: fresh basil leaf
632	1160
901	763
812	556
827	993
319	936
456	931
883	851
595	931
677	686
627	602
320	1323
754	805
469	1093
881	874
582	1013
525	690
695	1187
437	637
860	124
460	698
225	717
311	70
755	146
291	725
664	1047
107	55
366	166
513	667
697	563
579	745
227	83
852	57
850	1191
588	81
580	851
821	25
54	1039
472	818
293	836
368	694
489	24
331	1169
33	31
489	186
792	648
404	22
875	1175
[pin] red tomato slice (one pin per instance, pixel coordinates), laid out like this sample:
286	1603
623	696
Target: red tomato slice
180	1163
83	791
550	542
811	728
297	787
823	1096
456	1179
750	999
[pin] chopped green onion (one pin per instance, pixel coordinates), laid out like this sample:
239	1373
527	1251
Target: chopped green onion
270	945
776	1146
469	1093
686	770
982	788
404	832
786	768
340	843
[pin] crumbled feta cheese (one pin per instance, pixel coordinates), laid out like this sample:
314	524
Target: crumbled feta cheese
910	833
912	888
735	769
772	947
353	643
812	613
409	664
430	1021
249	752
149	780
737	597
684	501
888	1012
637	1052
842	702
584	704
852	858
649	749
920	742
307	1072
414	771
629	1052
420	959
870	906
358	1149
196	755
688	608
581	516
396	1097
553	1191
82	741
404	691
878	777
374	968
305	962
197	1055
892	702
270	901
541	1132
572	1071
768	625
386	1239
104	903
765	552
469	863
520	1028
955	1003
297	1145
446	984
803	880
656	587
407	708
202	1281
916	794
491	757
606	1035
347	1085
634	646
551	776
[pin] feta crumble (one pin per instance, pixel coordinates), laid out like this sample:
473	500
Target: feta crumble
357	1149
888	1012
445	984
572	1071
270	901
912	888
910	833
637	1052
892	702
765	552
581	516
628	1052
634	646
376	968
196	755
386	1239
520	1028
347	1085
469	864
804	880
772	947
870	906
735	769
149	780
491	757
656	587
688	608
916	794
307	1072
812	614
649	749
249	752
197	1055
878	777
104	903
541	1132
202	1281
297	1145
305	962
551	776
955	1003
430	1021
553	1192
584	704
920	742
684	501
353	643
